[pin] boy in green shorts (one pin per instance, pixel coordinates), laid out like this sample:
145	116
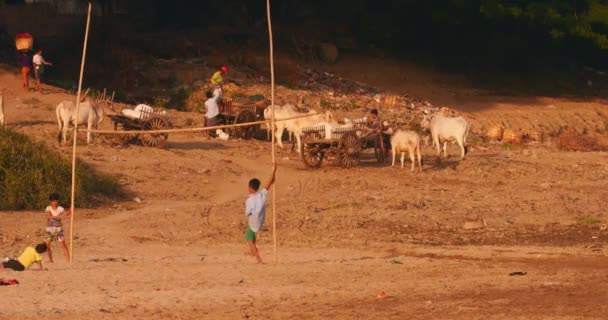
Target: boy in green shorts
255	210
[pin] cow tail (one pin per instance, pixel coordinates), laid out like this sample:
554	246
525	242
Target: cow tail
464	139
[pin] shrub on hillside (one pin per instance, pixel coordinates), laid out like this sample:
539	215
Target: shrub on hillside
30	171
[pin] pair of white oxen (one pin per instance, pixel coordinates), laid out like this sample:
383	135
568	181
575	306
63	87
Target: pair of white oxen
442	130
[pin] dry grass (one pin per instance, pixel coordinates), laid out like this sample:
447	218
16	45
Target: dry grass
570	140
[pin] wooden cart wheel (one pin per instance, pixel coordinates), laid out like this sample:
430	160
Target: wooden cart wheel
312	155
155	139
243	117
349	150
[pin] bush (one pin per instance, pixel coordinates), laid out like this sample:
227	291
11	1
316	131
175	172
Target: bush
30	171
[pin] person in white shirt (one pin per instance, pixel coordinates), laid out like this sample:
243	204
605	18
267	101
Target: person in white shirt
213	110
54	227
255	210
39	64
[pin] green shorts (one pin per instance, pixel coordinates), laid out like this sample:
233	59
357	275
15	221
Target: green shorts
249	234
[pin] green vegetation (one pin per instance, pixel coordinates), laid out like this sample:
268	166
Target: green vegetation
30	171
476	35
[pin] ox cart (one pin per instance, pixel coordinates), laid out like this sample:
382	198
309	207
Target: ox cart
145	120
242	111
344	147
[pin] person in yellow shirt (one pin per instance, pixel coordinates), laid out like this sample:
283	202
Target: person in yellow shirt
217	79
26	259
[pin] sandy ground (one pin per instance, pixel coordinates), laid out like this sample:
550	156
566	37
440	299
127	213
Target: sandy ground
344	235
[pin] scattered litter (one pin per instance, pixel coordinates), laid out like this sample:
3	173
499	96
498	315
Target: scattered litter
136	199
8	282
518	273
59	311
603	227
109	260
381	295
395	261
222	135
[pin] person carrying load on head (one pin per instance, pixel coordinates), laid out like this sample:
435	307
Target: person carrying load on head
24	43
25	62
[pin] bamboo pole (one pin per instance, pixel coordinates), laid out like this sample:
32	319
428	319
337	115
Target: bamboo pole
244	124
84	55
273	126
1	110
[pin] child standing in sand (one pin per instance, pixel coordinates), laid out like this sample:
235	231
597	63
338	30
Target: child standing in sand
255	210
54	227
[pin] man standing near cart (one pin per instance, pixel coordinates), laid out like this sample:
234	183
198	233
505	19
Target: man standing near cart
375	123
213	111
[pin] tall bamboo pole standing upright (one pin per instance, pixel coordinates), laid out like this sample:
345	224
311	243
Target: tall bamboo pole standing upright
84	55
273	124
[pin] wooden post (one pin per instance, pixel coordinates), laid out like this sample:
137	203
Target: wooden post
273	125
84	55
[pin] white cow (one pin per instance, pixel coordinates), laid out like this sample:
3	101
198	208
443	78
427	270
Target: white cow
278	110
90	113
444	129
295	125
409	141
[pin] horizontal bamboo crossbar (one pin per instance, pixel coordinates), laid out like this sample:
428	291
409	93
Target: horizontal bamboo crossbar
202	129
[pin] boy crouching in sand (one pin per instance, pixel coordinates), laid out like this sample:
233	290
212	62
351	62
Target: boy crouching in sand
26	259
255	210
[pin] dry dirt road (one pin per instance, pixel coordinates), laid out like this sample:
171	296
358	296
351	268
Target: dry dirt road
344	235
